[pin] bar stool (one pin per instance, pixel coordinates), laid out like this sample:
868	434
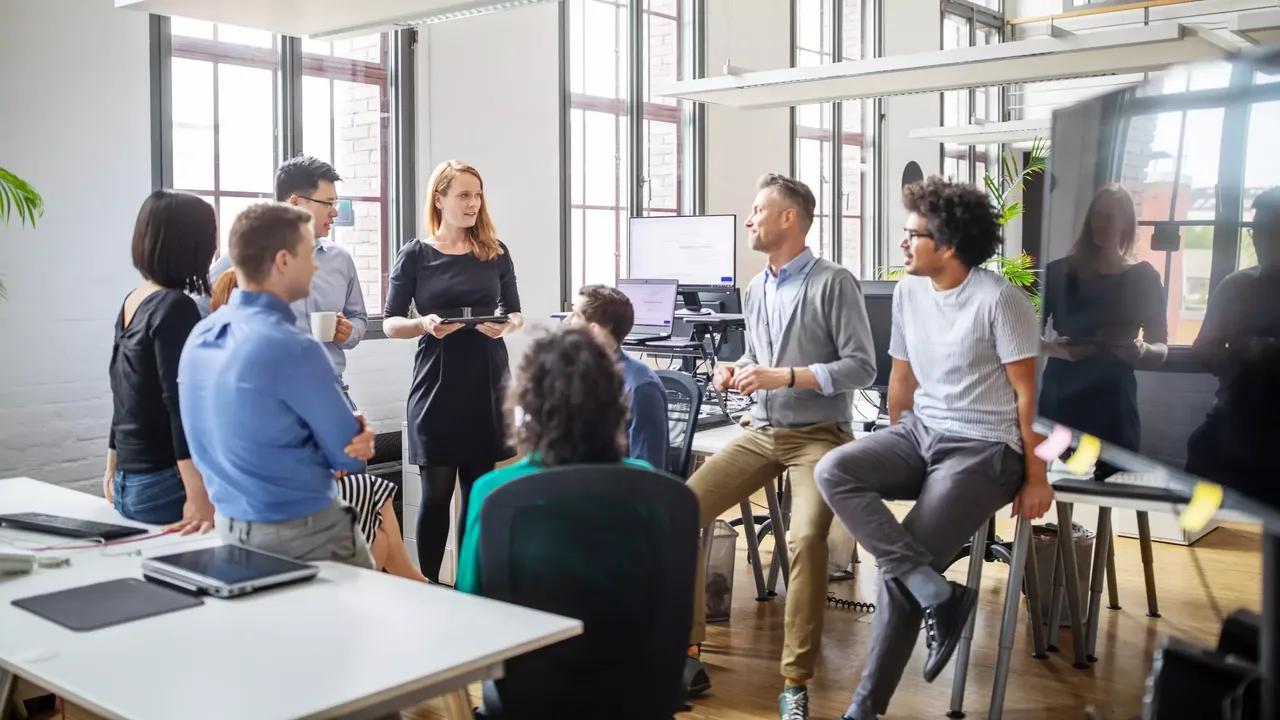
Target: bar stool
985	547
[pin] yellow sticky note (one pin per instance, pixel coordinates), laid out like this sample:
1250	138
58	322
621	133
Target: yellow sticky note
1085	456
1205	501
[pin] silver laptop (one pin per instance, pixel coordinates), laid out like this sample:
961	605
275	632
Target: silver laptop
226	570
654	302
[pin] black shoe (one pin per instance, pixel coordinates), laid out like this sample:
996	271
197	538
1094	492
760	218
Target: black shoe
943	626
696	680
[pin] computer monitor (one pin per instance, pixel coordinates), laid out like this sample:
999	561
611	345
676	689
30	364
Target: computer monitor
1161	226
697	250
878	296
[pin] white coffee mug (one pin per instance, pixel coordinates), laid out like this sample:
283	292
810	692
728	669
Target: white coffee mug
324	325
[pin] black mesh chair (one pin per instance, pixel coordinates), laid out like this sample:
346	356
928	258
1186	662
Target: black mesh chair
611	546
684	401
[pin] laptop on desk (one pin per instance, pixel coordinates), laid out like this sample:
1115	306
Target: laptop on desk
654	302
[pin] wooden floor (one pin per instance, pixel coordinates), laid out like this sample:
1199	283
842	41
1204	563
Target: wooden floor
742	655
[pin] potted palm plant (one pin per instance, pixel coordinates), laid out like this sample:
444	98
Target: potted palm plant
17	196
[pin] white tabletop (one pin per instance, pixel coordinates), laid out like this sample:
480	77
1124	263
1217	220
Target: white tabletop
343	643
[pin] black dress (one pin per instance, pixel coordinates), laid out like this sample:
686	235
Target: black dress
455	402
1099	394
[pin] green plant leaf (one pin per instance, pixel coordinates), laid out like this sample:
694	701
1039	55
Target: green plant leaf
17	195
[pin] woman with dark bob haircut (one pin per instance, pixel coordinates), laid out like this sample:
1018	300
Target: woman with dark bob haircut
567	406
150	477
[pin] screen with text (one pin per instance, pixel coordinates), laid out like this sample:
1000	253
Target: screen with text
654	303
693	249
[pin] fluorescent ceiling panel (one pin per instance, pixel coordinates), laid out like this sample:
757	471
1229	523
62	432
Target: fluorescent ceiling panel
324	19
1014	131
1125	50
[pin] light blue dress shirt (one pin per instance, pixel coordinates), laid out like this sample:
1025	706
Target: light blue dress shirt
264	415
335	288
781	293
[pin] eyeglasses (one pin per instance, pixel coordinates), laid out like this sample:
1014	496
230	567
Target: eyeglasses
913	234
331	204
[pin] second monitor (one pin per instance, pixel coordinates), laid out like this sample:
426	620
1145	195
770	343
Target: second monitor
696	250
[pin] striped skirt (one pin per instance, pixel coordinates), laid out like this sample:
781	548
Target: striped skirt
366	493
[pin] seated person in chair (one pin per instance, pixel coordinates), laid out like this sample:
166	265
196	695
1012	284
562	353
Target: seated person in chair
962	400
370	495
608	313
262	409
566	406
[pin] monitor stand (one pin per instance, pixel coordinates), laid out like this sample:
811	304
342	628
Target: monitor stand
691	300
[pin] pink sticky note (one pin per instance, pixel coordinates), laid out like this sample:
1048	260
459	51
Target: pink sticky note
1054	445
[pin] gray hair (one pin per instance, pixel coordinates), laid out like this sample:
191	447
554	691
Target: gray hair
794	193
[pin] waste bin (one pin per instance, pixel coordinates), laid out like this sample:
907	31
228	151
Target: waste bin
720	561
1044	543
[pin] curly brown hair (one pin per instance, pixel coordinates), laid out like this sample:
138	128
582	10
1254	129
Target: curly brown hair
567	404
222	288
958	216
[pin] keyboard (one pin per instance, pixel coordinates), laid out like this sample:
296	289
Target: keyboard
69	527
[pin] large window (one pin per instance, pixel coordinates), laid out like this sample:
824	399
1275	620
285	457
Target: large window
602	177
1179	159
966	25
831	31
232	126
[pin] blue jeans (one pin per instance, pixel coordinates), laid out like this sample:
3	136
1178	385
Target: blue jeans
155	498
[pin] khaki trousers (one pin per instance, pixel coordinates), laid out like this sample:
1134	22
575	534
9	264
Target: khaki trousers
743	467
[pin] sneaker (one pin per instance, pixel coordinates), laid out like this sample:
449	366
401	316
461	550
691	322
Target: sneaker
943	626
696	680
793	703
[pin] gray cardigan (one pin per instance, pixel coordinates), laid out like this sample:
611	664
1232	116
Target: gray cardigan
828	325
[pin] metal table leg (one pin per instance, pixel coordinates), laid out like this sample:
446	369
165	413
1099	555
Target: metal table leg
1070	571
779	532
1096	576
1058	592
8	686
753	550
977	555
1148	564
1113	587
1031	579
1009	623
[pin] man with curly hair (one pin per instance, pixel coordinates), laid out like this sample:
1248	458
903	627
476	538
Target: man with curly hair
962	398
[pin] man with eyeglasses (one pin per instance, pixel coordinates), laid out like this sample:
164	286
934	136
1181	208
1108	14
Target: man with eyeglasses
308	183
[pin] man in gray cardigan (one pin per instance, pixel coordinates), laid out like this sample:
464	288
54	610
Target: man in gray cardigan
808	348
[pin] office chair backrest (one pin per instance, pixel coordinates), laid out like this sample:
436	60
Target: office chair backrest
684	401
615	547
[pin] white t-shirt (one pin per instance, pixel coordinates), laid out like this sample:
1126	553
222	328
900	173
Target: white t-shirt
958	342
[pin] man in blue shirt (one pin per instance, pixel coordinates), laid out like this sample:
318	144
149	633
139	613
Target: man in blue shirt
264	414
609	315
309	184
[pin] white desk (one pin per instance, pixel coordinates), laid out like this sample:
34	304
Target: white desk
350	644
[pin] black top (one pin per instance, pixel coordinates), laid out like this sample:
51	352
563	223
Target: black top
1098	394
146	427
455	401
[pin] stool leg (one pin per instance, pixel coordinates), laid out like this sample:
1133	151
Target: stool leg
8	686
978	551
1071	573
1096	576
1148	564
753	550
1031	580
1009	623
779	532
1058	594
1113	587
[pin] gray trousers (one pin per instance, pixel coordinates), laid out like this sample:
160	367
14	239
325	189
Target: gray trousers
331	534
957	483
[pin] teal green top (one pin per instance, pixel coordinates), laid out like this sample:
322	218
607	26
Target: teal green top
468	576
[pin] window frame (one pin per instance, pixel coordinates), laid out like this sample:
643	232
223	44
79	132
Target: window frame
630	127
972	159
394	76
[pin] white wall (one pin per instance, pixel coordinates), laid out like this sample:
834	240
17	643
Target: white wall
742	145
489	94
76	126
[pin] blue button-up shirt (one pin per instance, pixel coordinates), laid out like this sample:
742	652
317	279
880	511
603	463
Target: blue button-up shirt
334	288
781	293
264	414
648	437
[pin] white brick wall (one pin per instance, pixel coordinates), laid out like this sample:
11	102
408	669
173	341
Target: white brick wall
67	278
